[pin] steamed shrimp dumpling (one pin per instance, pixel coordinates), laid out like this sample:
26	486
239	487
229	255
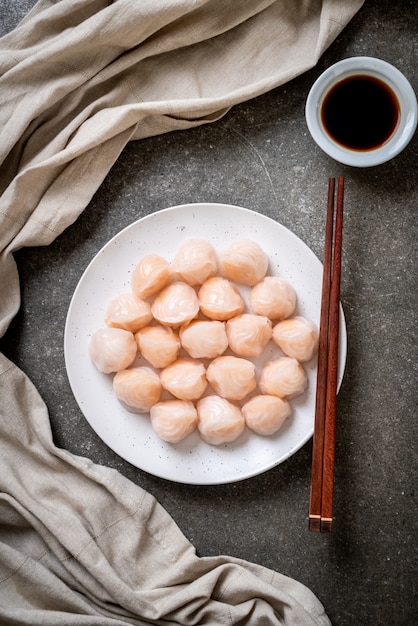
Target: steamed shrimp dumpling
266	414
231	377
284	377
176	304
173	420
112	349
159	345
139	388
219	299
150	275
248	334
185	379
243	261
297	337
273	297
204	339
219	421
127	311
195	261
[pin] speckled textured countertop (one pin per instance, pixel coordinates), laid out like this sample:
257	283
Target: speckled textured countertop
261	156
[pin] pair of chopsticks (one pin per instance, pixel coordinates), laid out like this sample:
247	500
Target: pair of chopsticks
323	450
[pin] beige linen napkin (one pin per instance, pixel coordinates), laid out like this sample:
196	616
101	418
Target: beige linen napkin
80	544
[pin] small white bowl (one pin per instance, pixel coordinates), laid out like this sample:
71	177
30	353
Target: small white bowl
378	69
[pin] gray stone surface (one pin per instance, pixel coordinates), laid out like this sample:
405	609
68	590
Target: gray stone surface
261	156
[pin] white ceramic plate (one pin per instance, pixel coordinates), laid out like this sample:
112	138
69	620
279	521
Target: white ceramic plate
130	435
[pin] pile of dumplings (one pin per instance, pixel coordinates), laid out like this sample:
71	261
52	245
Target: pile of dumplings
188	321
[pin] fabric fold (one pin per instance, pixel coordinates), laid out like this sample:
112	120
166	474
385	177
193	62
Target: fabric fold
129	559
79	79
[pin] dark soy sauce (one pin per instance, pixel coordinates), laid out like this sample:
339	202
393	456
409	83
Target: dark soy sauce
360	112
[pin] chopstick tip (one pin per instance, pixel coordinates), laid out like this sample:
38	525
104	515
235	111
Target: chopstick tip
315	523
326	524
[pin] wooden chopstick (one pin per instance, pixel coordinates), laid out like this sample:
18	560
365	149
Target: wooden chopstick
321	385
323	451
332	378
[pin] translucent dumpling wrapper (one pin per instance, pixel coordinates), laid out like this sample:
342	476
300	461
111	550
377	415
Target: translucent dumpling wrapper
244	261
128	311
219	421
185	379
112	349
150	275
265	415
204	339
297	337
283	377
195	261
176	304
231	377
273	297
138	388
219	299
173	420
248	334
159	345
